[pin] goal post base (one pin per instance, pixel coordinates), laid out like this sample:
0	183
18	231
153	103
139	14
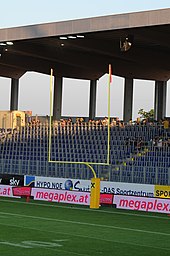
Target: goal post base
95	193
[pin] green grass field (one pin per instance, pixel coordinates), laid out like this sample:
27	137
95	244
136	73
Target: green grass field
40	229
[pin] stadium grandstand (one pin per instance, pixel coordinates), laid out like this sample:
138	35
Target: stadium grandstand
137	45
138	153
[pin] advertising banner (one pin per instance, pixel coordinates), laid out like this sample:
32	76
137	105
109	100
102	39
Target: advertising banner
142	204
162	191
106	199
58	183
6	191
117	188
21	191
12	180
61	196
128	189
29	181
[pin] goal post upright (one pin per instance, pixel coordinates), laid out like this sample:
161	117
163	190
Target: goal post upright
51	109
108	125
95	182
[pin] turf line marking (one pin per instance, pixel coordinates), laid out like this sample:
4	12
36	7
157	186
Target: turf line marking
15	245
28	247
89	237
86	223
91	210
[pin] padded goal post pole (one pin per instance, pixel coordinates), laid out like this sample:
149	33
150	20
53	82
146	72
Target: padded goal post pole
94	190
95	193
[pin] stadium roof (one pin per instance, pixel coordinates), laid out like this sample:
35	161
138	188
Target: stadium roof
83	48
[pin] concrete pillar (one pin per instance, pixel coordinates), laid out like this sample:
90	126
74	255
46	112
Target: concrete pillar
14	94
57	103
160	100
128	100
92	102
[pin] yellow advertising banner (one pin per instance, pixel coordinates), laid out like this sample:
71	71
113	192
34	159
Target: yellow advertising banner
162	191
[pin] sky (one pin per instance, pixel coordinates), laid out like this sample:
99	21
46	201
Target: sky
75	97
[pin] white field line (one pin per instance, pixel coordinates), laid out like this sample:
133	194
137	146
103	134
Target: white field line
89	237
44	248
92	210
86	224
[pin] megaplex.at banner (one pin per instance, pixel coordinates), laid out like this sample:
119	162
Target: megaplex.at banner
158	205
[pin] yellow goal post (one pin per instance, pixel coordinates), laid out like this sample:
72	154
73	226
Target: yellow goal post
95	182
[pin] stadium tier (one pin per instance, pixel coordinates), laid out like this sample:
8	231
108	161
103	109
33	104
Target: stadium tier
138	153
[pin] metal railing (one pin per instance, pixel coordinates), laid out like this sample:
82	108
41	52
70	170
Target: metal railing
134	174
